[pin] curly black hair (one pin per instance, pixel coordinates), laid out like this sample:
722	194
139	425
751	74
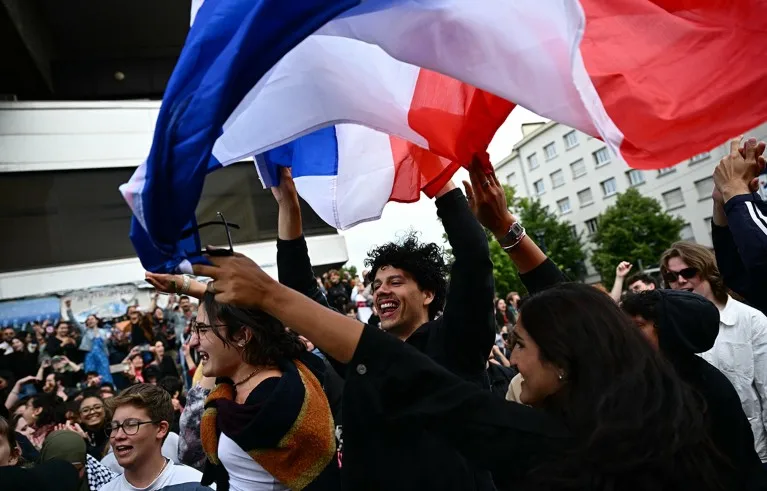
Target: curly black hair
424	262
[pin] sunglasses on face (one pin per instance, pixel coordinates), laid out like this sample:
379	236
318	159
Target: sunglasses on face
686	273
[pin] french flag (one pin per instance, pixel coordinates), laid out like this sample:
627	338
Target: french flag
378	100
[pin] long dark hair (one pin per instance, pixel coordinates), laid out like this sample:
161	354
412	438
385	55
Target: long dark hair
269	341
637	425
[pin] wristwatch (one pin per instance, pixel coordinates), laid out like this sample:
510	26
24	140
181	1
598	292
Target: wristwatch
513	237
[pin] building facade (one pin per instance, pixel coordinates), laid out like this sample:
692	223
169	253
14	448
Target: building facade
66	224
577	177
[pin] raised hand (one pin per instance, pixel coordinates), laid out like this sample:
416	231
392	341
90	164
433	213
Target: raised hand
738	171
166	283
285	193
623	269
487	199
237	280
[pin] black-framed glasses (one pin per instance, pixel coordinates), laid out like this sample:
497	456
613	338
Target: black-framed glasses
673	276
90	409
212	252
129	426
201	328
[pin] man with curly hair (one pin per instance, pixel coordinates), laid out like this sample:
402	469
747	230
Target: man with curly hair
454	326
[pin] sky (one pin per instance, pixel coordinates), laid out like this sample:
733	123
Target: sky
399	218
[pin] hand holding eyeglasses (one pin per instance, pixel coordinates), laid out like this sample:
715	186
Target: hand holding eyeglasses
237	280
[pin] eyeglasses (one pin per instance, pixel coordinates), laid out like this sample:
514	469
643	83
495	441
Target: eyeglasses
90	409
129	426
201	328
673	276
211	252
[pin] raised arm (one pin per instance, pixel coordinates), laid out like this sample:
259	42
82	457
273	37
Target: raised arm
485	429
620	276
488	202
736	178
294	267
72	319
468	323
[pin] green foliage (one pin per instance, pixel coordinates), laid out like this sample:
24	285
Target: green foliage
554	236
635	228
352	270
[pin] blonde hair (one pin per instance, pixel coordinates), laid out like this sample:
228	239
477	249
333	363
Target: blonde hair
698	257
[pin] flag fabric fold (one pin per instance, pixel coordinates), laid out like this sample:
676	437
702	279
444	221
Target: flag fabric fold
378	100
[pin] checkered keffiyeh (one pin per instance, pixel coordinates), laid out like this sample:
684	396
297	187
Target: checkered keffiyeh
98	474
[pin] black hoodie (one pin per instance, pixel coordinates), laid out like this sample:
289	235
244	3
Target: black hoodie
688	324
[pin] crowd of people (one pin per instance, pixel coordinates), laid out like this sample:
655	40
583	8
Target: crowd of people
416	375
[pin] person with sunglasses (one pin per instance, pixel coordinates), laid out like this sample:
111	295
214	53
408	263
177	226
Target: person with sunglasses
740	350
141	418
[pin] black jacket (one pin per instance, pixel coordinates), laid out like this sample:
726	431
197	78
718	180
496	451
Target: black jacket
688	324
741	248
411	456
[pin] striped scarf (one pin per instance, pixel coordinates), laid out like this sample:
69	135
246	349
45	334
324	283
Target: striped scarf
290	434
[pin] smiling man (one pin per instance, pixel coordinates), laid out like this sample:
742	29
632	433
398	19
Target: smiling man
141	418
740	350
454	326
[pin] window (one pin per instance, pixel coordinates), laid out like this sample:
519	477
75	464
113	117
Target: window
698	158
574	231
532	162
673	198
609	187
591	226
704	187
686	233
585	197
709	222
564	206
636	177
557	179
539	187
550	151
667	170
578	168
510	179
602	157
571	140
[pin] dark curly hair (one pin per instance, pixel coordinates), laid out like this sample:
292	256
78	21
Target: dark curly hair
270	341
424	262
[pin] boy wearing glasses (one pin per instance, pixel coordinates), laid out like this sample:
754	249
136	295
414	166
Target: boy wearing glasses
740	350
141	418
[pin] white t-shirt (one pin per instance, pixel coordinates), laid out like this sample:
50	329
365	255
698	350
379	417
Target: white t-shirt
245	474
173	474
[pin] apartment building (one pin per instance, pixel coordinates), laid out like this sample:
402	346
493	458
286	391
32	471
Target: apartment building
578	177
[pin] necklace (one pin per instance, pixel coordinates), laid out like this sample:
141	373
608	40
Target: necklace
155	478
252	374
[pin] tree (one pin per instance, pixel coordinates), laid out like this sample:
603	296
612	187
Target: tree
554	236
352	270
635	228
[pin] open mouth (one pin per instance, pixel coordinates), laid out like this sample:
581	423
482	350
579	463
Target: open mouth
387	308
204	357
123	450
